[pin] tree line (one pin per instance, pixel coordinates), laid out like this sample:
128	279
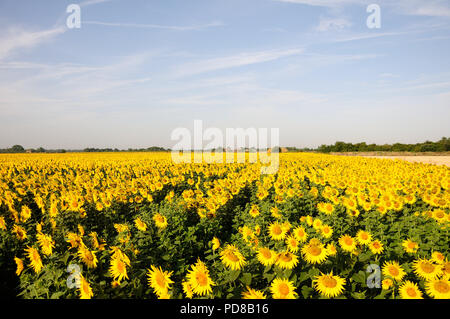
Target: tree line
443	145
21	149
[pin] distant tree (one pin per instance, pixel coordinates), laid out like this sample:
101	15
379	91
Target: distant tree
17	149
443	145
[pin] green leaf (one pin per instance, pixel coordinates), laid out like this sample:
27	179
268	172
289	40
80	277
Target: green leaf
233	275
306	291
246	278
359	277
359	295
303	276
313	272
269	277
56	295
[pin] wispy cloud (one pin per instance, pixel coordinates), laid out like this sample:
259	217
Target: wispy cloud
232	61
325	3
431	8
156	26
92	2
364	36
18	38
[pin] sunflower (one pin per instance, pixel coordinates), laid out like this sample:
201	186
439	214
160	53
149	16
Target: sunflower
21	234
35	259
199	279
46	242
326	231
426	269
363	237
314	252
438	288
118	254
187	289
331	249
347	243
438	257
376	247
246	232
410	246
292	244
74	239
85	289
118	269
282	289
286	226
309	220
87	256
2	223
140	225
446	269
25	213
253	294
317	224
159	280
328	285
394	270
266	256
215	243
328	208
276	231
300	234
19	263
160	221
232	258
254	211
387	283
410	290
121	228
275	212
286	260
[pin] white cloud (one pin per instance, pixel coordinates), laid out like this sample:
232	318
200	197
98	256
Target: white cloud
431	8
92	2
155	26
17	38
325	3
232	61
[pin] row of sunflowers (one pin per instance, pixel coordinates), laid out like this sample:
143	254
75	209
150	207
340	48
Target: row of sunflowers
137	225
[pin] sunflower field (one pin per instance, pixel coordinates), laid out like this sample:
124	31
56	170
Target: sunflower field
137	225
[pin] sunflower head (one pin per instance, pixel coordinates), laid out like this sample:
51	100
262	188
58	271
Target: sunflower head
410	290
393	270
232	258
329	285
283	289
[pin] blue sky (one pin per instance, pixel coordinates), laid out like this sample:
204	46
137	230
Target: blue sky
137	69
